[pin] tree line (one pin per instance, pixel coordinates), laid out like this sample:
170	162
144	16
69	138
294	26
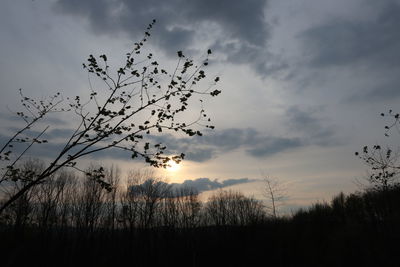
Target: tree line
72	220
68	200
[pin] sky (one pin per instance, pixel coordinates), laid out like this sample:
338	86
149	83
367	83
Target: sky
303	81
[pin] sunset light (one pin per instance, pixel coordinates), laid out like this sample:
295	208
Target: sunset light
173	166
200	133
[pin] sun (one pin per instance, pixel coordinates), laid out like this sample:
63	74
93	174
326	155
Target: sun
174	167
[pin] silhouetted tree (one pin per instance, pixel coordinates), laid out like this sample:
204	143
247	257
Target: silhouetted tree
233	208
130	203
20	213
181	209
189	207
139	101
89	203
275	193
142	200
383	162
112	177
48	197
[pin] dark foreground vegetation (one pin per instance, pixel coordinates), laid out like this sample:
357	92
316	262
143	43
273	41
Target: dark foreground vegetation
71	221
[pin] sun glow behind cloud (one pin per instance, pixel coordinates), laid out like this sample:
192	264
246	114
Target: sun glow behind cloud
173	166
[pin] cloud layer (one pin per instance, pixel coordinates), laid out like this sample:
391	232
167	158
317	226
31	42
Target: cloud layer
340	42
198	185
365	47
237	31
308	130
305	127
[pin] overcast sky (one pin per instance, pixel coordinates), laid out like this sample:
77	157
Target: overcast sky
303	81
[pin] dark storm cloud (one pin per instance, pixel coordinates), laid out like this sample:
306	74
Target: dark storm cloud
52	149
201	154
10	117
374	42
271	146
50	134
59	133
306	125
44	150
239	20
365	45
205	184
202	148
310	125
198	185
377	93
262	61
243	30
